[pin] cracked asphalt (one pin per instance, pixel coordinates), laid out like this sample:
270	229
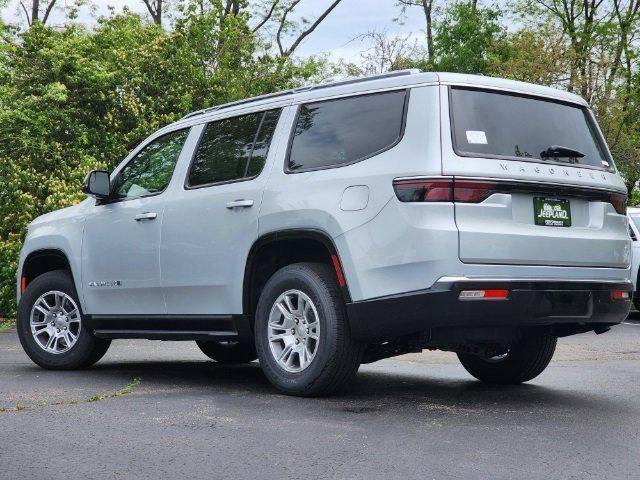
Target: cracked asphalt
418	416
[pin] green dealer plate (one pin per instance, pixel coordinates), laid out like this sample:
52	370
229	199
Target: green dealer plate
552	212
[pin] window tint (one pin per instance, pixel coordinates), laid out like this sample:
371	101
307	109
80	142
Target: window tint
151	169
233	148
636	220
342	131
516	127
263	140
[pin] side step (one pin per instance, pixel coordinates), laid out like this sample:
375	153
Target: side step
169	327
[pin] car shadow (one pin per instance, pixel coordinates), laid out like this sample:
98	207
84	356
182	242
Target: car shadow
371	390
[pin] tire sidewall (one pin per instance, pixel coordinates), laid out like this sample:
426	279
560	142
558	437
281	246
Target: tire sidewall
77	355
305	281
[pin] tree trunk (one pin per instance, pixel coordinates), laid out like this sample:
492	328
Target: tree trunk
428	9
35	11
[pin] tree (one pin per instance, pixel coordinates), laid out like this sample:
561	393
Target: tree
155	10
38	11
281	13
384	54
72	100
427	8
467	37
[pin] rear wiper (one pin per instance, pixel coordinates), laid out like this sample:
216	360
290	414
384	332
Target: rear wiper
557	151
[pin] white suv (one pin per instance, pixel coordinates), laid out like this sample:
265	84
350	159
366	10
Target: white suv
323	227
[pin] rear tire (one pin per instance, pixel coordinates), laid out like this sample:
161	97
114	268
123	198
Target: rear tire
324	358
524	361
228	353
78	351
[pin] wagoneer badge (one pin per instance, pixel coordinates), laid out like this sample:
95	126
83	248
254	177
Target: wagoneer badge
106	283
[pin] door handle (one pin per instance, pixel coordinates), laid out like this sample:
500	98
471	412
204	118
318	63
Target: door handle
240	204
145	216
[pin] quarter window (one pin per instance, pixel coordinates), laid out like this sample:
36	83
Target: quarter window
233	148
150	171
342	131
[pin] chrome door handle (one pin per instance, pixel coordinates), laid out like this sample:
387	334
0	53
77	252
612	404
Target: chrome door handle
240	204
145	216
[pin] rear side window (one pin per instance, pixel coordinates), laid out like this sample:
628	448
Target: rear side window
233	149
343	131
507	126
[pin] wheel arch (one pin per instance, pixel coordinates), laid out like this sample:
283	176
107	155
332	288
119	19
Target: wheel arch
274	250
42	261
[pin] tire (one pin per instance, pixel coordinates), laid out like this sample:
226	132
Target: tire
335	356
636	301
228	353
525	361
81	353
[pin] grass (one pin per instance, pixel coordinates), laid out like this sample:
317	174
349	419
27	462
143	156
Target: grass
118	393
6	324
96	398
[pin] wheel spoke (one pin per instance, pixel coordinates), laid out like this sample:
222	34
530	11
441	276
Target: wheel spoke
285	353
287	314
46	304
289	304
39	332
42	310
279	336
51	342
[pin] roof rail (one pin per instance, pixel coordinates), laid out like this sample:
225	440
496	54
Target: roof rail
350	81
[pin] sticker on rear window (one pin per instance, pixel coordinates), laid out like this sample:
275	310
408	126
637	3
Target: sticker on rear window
477	137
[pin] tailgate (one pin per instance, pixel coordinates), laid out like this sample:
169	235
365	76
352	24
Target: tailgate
583	230
534	182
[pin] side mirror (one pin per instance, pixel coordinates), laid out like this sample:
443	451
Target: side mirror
97	184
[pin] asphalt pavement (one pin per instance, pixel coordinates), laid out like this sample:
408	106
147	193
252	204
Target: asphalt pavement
162	410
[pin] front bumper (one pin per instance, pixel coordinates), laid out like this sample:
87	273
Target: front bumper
529	303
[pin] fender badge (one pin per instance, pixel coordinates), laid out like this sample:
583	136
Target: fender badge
106	283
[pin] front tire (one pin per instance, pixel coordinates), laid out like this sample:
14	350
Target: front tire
228	353
524	361
51	326
302	335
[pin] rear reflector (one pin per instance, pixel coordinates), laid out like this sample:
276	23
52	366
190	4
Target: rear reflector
23	284
483	294
620	295
338	268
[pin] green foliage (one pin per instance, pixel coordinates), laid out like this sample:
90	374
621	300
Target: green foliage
467	38
72	100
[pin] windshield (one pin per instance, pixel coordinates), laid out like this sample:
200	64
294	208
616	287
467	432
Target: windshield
636	220
516	127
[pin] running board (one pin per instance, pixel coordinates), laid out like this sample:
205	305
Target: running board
169	327
175	335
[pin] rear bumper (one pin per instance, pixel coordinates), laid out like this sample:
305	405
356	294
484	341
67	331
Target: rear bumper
529	303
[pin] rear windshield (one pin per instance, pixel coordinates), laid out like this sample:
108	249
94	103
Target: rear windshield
499	125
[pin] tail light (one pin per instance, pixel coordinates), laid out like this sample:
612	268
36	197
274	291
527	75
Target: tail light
443	190
472	192
619	202
621	295
469	191
426	190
